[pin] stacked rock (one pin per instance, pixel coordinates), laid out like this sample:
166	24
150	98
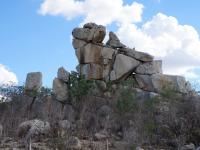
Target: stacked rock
60	85
114	61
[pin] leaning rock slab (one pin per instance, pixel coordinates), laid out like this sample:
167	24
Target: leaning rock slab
123	66
33	82
150	68
60	90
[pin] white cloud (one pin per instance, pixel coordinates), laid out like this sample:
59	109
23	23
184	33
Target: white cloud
7	77
177	45
100	11
162	36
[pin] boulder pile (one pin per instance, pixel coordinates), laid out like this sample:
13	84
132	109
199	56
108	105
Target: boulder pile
110	62
114	61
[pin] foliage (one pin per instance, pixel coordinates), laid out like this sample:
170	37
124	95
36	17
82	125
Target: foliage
127	100
79	86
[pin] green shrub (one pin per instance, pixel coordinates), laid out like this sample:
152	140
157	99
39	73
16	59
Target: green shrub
79	86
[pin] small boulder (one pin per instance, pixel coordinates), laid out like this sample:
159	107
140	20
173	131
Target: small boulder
150	68
102	135
60	90
114	41
73	143
63	75
33	129
190	146
33	82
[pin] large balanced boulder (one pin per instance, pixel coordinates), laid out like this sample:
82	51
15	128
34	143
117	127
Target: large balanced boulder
123	67
33	82
60	90
90	33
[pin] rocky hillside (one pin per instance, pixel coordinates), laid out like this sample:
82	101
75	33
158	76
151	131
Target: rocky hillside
118	99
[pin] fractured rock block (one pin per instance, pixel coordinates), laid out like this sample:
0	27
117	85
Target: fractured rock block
149	68
141	56
90	53
63	75
158	83
90	33
60	90
33	82
78	43
123	66
91	71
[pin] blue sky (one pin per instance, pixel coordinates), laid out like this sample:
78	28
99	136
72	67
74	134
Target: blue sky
33	39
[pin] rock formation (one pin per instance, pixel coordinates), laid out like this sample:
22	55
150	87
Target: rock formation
110	62
115	61
33	82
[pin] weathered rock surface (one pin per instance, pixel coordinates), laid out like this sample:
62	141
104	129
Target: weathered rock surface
123	66
90	33
63	75
188	147
114	41
60	90
78	43
91	71
33	81
33	128
114	61
150	68
158	83
141	56
90	53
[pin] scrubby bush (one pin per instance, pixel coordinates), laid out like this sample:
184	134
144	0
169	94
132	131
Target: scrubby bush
79	86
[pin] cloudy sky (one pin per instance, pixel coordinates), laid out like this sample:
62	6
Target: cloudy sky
35	35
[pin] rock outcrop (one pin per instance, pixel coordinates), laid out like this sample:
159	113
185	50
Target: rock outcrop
33	82
115	61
